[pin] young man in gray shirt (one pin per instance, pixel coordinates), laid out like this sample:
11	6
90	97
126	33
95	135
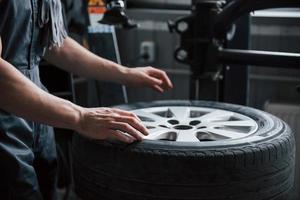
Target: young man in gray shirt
30	30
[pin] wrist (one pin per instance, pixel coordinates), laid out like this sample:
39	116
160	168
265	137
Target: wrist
123	75
77	113
116	72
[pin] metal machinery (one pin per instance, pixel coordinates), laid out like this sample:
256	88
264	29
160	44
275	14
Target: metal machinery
206	35
115	15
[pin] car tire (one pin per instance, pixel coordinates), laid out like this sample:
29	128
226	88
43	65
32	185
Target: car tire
257	167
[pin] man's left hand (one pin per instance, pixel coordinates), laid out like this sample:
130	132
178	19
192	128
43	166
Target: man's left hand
148	77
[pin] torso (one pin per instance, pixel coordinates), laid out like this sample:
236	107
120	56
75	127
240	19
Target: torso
20	33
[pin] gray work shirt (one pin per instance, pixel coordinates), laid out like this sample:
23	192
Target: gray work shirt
19	32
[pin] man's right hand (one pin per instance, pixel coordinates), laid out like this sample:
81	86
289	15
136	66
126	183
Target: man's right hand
106	123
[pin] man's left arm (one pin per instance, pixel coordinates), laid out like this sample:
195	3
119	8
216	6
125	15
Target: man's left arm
74	58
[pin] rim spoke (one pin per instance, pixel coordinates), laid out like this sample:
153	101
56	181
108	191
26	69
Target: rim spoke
157	133
216	116
149	115
245	123
225	133
152	124
180	112
185	136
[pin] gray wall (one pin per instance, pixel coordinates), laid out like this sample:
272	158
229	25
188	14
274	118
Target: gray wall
153	27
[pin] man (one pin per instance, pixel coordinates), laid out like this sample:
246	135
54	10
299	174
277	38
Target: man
29	30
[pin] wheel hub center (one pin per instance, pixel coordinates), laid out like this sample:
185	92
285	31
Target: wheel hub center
183	127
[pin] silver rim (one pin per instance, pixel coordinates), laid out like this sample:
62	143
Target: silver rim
195	124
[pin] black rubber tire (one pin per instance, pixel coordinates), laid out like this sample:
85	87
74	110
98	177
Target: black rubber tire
248	169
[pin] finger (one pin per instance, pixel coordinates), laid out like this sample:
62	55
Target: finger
134	123
167	82
158	88
126	113
120	136
162	75
154	80
124	127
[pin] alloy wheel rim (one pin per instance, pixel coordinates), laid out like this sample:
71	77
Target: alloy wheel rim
195	124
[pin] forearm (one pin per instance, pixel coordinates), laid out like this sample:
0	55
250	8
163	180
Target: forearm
74	58
21	97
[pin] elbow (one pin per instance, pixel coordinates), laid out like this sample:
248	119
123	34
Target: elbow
54	52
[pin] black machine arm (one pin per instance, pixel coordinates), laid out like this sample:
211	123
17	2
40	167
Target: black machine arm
236	8
259	58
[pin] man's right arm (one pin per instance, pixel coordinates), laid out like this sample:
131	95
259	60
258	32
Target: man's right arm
23	98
